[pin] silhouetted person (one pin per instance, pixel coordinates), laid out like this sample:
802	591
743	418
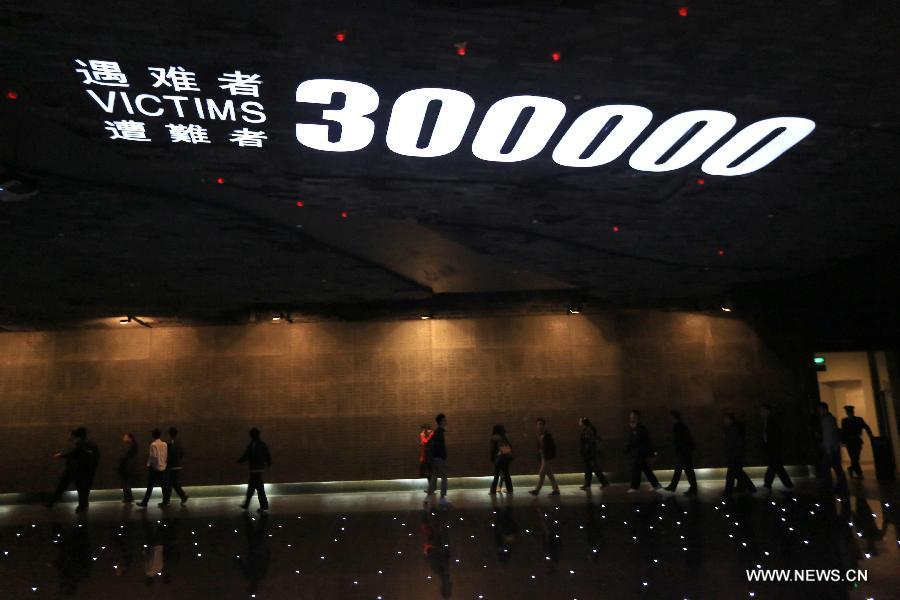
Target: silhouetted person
127	467
772	443
640	447
831	448
174	465
425	433
547	455
684	455
438	445
258	460
590	454
852	428
82	459
157	458
501	457
734	451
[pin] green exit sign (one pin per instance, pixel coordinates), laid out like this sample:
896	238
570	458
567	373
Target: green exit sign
819	362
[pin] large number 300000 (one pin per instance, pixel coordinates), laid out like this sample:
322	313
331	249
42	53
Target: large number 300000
616	125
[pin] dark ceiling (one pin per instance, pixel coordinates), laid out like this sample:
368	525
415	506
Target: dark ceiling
142	228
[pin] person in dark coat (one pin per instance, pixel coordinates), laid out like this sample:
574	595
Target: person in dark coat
82	459
684	455
258	460
501	457
640	447
734	449
547	454
852	428
771	434
174	465
831	449
437	447
590	454
127	468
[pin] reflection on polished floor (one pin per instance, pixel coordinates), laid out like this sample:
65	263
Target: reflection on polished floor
390	545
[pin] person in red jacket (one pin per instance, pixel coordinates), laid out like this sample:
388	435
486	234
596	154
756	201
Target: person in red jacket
425	434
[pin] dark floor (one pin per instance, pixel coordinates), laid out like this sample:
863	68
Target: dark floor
386	545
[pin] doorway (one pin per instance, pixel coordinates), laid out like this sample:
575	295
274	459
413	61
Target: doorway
860	380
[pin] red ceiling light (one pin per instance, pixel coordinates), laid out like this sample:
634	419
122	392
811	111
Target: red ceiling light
555	56
682	11
720	252
343	214
340	36
220	180
300	203
615	229
701	181
12	95
461	48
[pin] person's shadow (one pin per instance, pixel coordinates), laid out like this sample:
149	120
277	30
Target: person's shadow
865	523
593	529
436	547
73	560
505	532
154	551
254	562
550	539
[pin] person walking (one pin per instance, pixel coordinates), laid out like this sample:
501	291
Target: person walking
501	457
590	454
81	460
734	449
852	428
831	448
174	465
684	455
438	446
547	455
127	468
640	447
771	434
157	458
425	434
258	460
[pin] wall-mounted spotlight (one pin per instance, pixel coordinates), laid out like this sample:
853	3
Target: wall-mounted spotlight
726	305
426	316
575	309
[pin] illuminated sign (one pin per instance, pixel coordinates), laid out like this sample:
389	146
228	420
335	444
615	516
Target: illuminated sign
513	129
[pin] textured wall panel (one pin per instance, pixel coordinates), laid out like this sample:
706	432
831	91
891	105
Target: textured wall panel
344	400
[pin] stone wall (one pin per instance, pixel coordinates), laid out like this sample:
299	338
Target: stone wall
342	401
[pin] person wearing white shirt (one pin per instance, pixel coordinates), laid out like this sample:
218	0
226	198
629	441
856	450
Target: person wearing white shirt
156	468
